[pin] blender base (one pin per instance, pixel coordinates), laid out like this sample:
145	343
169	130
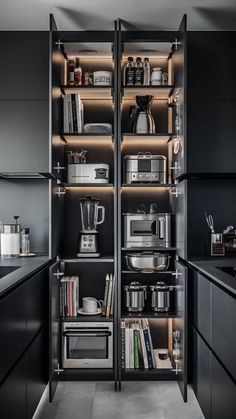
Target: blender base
88	255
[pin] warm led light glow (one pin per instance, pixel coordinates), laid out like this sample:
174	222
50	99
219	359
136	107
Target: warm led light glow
94	92
132	141
90	188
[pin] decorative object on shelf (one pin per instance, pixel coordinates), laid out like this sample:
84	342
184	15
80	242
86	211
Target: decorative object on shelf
71	72
162	359
88	239
161	296
229	238
79	171
217	244
98	128
24	242
143	122
10	239
102	78
129	71
146	72
109	292
73	113
88	79
147	262
145	168
147	230
158	77
135	296
176	350
87	344
78	81
136	345
69	296
91	306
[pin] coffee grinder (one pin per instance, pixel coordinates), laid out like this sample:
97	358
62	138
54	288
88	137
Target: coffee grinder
88	238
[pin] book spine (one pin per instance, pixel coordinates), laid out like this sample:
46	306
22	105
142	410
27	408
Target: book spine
144	352
74	115
109	297
113	294
136	350
104	308
127	360
131	346
140	349
123	345
78	104
148	348
70	118
151	346
65	114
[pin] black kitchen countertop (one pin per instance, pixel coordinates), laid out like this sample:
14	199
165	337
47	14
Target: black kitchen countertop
27	267
208	267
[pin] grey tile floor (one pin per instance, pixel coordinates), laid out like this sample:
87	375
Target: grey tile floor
142	400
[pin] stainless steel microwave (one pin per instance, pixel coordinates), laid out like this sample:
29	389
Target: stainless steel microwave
87	344
147	230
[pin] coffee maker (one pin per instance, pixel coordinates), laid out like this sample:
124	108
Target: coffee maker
88	238
143	122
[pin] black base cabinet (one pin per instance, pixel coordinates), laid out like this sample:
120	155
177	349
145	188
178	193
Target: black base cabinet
201	373
223	393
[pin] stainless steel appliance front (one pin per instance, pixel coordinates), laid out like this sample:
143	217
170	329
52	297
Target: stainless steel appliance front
147	230
87	344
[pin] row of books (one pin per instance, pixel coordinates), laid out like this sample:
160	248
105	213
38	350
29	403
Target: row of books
73	111
69	296
108	301
136	345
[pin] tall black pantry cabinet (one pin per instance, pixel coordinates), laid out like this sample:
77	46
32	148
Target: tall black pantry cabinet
117	196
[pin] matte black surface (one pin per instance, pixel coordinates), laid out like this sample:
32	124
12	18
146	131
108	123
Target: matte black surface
24	65
178	199
202	373
201	305
223	393
24	136
211	65
13	393
57	220
5	270
223	328
30	200
12	329
36	296
37	372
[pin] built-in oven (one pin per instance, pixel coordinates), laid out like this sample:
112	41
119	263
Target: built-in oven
87	344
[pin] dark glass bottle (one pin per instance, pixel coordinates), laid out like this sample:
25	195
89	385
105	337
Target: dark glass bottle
129	72
138	76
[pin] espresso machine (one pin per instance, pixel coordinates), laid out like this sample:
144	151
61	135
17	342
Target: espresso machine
143	122
88	238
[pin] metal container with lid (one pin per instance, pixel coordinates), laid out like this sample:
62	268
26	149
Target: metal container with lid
10	239
161	296
135	296
145	167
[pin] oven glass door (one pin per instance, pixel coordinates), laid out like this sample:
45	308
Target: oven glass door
87	347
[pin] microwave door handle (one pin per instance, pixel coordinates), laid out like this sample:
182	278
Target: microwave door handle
161	228
84	334
154	228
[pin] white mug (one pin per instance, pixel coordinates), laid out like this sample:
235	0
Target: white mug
158	77
90	304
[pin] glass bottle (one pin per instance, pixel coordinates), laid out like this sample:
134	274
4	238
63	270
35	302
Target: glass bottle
146	72
71	72
138	76
129	72
24	241
78	73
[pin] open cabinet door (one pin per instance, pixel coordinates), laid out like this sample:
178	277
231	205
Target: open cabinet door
56	77
179	68
180	325
55	274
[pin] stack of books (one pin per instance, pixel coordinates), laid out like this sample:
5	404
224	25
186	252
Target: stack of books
73	111
136	345
108	301
69	296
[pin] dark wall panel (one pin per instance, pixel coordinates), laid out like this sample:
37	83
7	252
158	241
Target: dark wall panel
29	200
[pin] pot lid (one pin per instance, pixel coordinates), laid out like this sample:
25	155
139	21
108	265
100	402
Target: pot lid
89	198
160	285
135	285
144	156
144	254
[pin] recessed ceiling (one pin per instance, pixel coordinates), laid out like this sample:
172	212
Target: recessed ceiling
100	14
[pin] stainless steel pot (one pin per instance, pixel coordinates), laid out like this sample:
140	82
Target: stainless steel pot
161	297
135	296
147	261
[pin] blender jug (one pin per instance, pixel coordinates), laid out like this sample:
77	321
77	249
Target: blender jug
90	213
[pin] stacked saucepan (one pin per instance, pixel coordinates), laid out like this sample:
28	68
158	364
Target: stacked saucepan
136	293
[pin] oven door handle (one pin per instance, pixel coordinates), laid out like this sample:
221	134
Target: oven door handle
84	334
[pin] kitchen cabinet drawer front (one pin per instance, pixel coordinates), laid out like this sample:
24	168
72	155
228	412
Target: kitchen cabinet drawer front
37	370
12	329
223	393
210	125
202	374
37	307
25	65
223	328
13	393
24	136
202	305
